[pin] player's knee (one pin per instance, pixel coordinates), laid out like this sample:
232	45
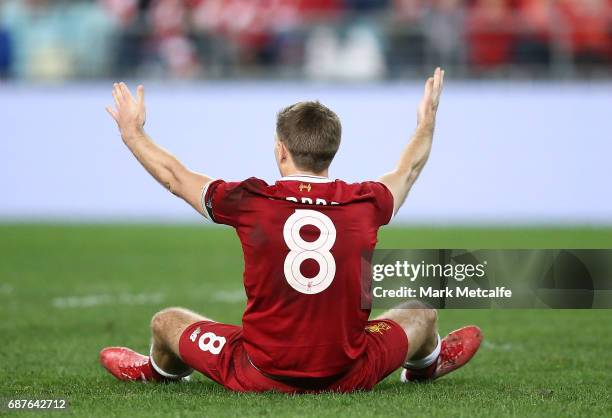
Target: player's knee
431	317
162	319
428	314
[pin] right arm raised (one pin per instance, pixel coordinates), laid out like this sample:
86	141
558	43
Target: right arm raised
130	115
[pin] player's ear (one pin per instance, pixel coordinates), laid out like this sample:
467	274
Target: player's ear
281	151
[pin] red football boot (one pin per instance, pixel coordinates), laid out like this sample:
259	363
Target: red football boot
456	349
126	364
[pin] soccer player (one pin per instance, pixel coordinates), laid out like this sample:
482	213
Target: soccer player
303	329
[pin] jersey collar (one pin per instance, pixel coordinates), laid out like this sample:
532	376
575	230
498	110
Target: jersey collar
306	178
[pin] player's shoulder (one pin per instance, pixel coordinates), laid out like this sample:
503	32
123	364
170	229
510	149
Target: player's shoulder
253	183
372	193
249	184
257	186
363	187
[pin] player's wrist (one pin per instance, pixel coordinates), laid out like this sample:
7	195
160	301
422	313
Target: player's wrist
132	133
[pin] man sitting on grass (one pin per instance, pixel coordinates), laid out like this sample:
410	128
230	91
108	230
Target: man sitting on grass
303	237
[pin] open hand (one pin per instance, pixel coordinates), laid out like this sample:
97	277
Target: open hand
130	113
428	107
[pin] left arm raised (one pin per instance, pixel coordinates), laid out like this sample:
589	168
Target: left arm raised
415	155
130	115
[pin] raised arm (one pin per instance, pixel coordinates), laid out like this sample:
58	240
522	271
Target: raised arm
416	153
130	115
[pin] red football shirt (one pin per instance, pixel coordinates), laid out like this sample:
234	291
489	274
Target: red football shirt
302	239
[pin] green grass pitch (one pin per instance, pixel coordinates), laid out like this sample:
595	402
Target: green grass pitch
68	291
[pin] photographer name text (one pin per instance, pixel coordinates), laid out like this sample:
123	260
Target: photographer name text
447	292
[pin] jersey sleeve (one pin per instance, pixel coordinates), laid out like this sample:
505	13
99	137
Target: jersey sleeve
221	202
383	202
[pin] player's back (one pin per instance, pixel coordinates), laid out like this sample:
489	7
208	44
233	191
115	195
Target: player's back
303	239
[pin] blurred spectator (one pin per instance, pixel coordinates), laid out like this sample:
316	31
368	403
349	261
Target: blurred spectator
408	11
533	45
56	40
6	53
39	48
367	6
357	57
170	32
128	40
444	32
321	55
490	34
589	23
406	37
349	39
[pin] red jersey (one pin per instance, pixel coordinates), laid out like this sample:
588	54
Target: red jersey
303	239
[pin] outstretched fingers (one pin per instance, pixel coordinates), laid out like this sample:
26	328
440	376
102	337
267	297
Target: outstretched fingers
125	91
436	78
126	103
429	85
116	96
112	112
119	92
140	94
438	85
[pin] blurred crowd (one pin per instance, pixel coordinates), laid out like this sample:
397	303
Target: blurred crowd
319	39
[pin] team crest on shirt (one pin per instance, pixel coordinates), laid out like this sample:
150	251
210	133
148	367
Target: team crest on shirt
306	187
378	328
194	334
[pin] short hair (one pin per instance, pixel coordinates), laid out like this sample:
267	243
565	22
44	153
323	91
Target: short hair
311	133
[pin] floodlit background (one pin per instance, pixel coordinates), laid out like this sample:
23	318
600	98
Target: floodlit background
524	128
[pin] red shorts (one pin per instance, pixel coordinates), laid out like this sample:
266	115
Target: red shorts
217	351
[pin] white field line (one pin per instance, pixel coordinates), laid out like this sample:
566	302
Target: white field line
233	296
498	347
107	299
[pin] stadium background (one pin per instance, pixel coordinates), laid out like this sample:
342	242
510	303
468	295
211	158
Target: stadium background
91	247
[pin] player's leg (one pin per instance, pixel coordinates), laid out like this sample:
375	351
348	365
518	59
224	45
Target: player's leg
420	323
164	362
428	356
167	326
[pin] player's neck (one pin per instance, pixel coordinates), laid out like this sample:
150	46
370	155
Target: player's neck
297	173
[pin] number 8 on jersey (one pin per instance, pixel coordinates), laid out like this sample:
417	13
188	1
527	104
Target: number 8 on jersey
317	250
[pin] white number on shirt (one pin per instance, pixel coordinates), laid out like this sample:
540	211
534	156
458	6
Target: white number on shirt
301	250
